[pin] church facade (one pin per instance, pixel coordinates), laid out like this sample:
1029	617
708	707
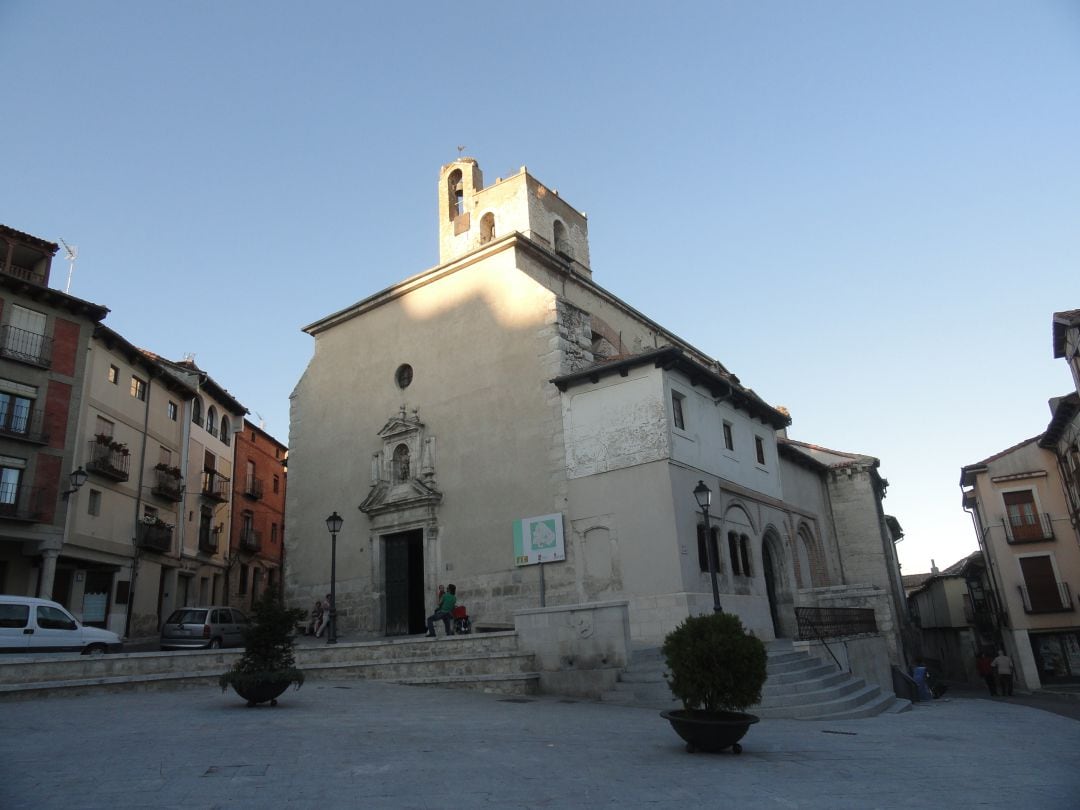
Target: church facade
504	423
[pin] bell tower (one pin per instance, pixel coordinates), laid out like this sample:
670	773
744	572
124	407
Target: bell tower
471	216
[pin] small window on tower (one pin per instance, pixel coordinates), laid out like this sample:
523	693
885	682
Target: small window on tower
562	243
457	194
487	228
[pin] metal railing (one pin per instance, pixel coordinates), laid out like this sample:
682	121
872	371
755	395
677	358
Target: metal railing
155	536
109	461
24	424
254	488
821	623
250	540
1047	601
20	502
208	542
168	486
215	485
1028	528
24	346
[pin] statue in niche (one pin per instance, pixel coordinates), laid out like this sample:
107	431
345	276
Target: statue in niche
401	463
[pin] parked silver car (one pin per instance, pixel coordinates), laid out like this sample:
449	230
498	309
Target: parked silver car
194	628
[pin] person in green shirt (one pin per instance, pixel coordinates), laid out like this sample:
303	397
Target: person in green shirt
444	611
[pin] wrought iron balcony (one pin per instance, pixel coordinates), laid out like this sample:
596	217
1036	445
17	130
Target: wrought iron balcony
1028	528
26	347
253	488
168	486
250	540
1047	600
20	502
109	460
215	486
208	542
155	536
24	425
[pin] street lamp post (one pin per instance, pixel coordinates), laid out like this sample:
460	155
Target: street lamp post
703	496
333	525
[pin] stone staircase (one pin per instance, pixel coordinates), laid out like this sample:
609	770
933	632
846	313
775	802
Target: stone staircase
489	662
799	686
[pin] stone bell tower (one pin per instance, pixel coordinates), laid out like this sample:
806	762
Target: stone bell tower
472	216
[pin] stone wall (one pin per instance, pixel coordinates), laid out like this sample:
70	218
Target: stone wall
579	649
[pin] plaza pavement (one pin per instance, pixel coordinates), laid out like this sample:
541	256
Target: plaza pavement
365	744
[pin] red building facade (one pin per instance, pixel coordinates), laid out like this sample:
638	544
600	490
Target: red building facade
257	544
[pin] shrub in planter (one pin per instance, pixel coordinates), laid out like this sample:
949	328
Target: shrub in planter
268	665
717	670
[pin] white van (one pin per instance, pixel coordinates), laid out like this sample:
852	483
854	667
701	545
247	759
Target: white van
29	625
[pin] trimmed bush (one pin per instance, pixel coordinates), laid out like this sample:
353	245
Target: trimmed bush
715	664
268	646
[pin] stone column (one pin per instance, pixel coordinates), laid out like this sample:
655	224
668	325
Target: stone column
48	572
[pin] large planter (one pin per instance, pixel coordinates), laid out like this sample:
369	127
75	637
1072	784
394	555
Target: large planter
261	691
710	731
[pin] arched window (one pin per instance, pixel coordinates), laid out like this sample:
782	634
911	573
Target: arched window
196	410
401	463
487	228
225	430
702	550
744	547
562	244
733	552
456	194
211	421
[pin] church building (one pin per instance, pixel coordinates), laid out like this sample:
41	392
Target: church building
504	423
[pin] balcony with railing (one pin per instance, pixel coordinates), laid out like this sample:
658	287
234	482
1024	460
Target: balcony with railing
1029	528
215	486
24	425
208	542
1047	600
21	502
253	488
250	539
109	460
25	273
25	346
155	536
168	484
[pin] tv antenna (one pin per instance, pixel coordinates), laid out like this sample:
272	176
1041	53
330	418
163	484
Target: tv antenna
72	255
262	422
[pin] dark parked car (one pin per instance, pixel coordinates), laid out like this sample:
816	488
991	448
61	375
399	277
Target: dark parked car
195	628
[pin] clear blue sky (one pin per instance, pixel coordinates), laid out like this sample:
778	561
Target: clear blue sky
867	211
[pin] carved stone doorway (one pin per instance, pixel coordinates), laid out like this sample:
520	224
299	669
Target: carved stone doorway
404	555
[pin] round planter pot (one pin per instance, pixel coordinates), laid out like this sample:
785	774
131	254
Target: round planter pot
710	731
262	692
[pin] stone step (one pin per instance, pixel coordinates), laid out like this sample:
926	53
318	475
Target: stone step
811	672
833	678
850	704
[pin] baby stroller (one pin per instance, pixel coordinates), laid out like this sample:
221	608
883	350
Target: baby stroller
460	620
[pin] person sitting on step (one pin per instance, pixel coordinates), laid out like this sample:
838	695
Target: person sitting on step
444	611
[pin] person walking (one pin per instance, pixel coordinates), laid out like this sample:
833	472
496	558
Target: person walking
1003	666
985	667
445	612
